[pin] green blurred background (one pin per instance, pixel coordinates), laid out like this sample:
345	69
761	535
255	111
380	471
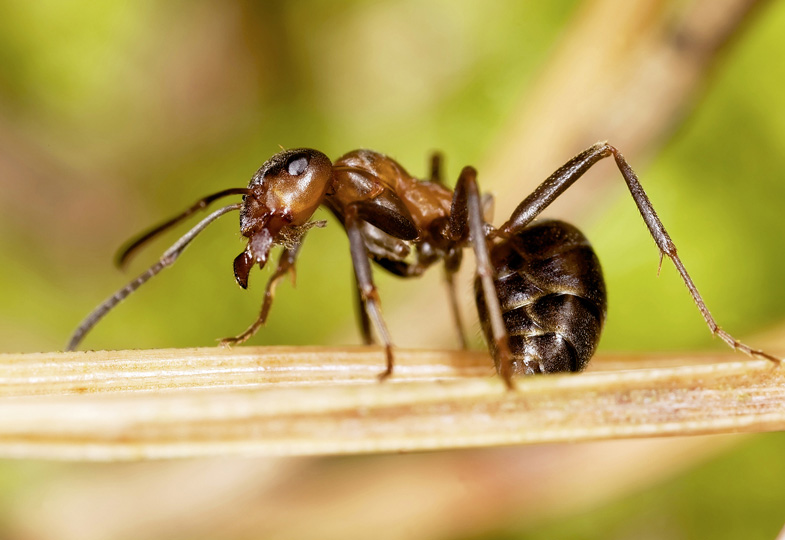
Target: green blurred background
116	115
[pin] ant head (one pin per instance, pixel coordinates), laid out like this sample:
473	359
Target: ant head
285	192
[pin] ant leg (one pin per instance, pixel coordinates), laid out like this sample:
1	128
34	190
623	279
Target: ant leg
466	219
452	263
125	253
436	168
166	260
566	175
285	266
369	298
363	320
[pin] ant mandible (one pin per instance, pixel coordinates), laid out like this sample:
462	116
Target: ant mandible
539	287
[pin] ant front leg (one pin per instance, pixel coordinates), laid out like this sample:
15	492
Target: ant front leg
566	175
369	298
466	220
285	266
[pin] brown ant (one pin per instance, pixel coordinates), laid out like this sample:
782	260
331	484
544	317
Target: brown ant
539	286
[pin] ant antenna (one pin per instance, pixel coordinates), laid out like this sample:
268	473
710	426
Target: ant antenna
167	259
126	252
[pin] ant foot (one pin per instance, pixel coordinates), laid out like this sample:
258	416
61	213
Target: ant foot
746	349
384	375
231	341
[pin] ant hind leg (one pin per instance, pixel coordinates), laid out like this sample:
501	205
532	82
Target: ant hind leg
569	173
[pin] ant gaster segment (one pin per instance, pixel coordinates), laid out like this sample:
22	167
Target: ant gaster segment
539	287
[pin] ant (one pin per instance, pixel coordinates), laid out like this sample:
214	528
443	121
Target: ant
539	287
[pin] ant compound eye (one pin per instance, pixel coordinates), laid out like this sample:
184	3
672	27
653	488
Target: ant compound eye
297	165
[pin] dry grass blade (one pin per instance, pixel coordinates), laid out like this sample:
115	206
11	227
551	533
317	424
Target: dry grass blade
289	401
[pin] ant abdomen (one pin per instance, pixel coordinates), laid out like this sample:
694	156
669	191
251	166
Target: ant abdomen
552	297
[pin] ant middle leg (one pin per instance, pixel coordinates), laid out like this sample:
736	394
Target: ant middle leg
436	168
452	263
568	173
450	269
414	268
362	315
